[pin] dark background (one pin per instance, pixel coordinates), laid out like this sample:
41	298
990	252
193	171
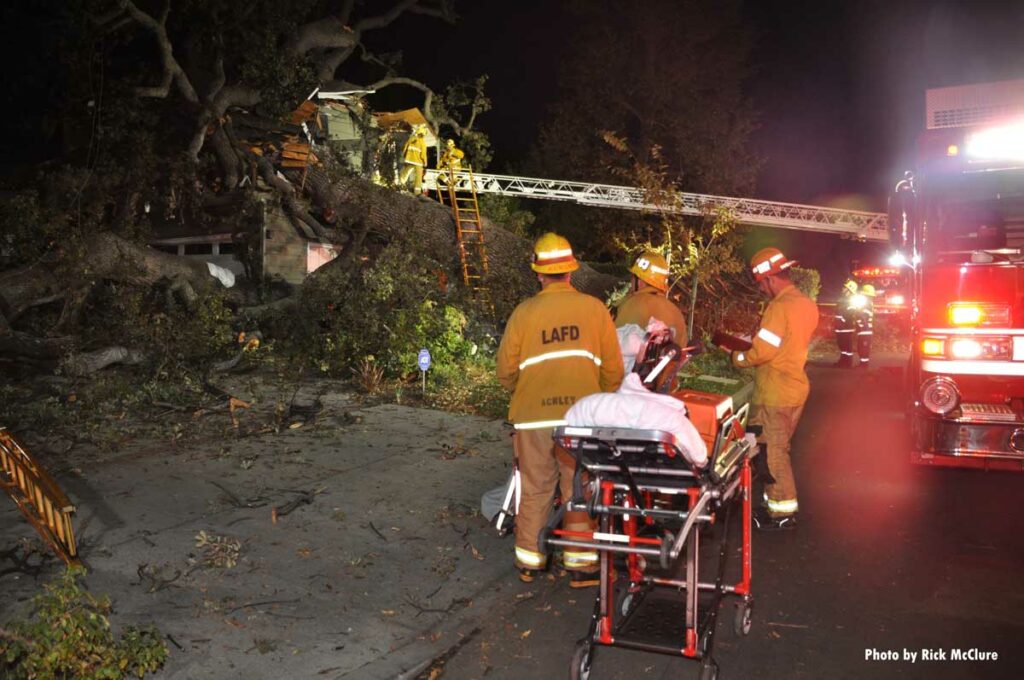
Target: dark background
839	88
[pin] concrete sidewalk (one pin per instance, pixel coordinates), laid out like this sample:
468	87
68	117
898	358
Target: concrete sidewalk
386	569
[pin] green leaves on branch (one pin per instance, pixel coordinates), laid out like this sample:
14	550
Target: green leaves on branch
69	636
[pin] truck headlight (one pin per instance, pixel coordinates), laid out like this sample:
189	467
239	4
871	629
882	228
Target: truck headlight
940	395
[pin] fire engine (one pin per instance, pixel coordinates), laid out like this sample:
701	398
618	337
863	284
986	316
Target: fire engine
892	299
957	224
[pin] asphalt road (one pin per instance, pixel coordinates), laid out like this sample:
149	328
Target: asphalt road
888	560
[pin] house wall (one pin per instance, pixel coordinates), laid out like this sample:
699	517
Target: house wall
285	252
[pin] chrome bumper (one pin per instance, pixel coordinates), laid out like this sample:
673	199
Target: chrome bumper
970	442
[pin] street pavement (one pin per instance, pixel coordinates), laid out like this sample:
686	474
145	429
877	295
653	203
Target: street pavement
888	559
390	572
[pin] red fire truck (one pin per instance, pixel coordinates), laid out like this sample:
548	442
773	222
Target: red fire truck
958	228
891	298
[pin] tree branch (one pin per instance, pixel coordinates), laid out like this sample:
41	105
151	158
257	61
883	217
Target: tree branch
346	11
172	69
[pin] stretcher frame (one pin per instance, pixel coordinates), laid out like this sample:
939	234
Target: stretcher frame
628	469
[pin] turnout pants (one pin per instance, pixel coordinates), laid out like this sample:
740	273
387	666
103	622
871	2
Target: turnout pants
778	425
844	329
416	173
542	465
865	331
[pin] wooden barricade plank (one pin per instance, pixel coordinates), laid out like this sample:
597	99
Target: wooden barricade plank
38	496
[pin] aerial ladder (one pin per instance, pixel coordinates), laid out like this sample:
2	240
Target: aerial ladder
461	197
857	224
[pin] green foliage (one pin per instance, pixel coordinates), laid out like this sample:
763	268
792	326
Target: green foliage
807	281
458	108
468	386
389	309
181	341
706	268
508	212
69	636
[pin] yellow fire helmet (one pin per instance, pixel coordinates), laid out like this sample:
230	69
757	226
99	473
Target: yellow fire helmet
651	268
868	289
552	254
850	286
768	262
450	144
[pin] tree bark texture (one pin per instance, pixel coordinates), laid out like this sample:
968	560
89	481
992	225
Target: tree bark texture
431	225
109	257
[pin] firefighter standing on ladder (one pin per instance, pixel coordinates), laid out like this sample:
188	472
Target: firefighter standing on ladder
648	298
558	346
779	353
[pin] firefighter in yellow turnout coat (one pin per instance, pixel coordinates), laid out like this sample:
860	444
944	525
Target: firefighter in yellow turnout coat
560	345
779	354
414	157
647	299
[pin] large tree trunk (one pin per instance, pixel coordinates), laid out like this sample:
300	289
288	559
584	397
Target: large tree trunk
392	214
108	257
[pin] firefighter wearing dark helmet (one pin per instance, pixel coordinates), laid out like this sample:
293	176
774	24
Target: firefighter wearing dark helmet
558	346
647	297
778	355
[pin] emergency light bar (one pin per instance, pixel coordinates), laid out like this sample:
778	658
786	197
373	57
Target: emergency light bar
1003	143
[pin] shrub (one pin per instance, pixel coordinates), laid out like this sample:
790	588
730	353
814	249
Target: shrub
69	636
469	386
807	281
390	308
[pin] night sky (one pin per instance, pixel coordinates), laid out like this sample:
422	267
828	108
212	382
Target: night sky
839	85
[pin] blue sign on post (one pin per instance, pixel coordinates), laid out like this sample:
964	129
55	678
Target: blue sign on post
423	361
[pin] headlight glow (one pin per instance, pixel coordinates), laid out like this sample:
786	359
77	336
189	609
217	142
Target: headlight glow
897	300
965	348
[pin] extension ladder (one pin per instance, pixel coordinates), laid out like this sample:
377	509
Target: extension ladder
461	198
38	497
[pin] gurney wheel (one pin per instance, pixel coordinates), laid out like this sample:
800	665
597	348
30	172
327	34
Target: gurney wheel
744	614
623	597
582	657
709	670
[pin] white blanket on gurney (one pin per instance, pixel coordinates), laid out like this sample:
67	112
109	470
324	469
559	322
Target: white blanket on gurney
635	407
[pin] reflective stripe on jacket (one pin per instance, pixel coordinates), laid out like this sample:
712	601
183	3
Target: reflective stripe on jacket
779	350
558	346
640	306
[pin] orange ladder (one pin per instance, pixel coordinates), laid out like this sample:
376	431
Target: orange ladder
38	497
457	190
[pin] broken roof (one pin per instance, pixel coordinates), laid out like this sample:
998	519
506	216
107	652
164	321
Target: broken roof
409	118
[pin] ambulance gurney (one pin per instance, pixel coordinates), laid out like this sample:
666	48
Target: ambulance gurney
654	498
